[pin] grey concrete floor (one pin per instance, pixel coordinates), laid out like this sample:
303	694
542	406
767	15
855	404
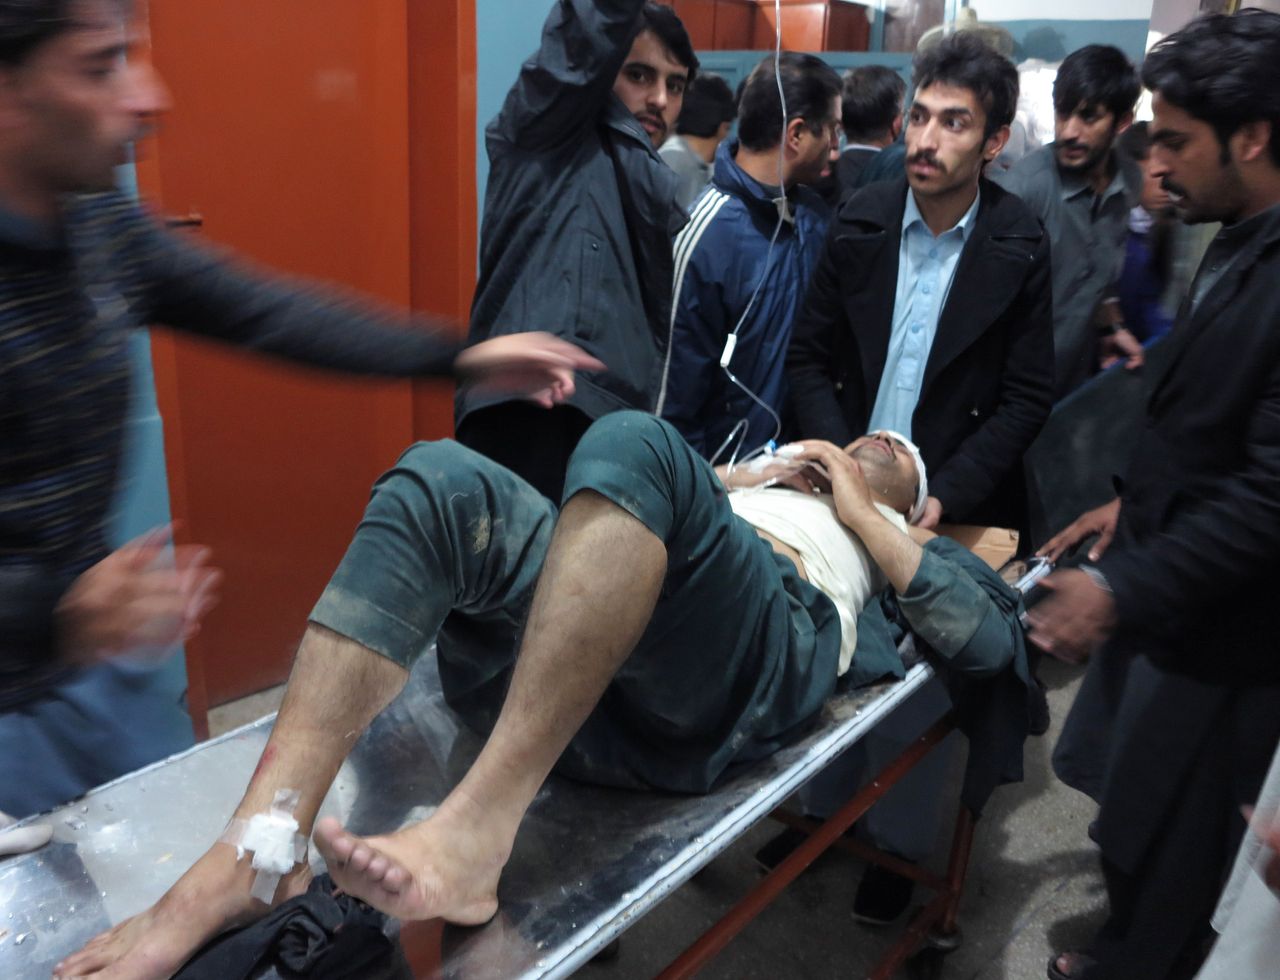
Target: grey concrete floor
1033	888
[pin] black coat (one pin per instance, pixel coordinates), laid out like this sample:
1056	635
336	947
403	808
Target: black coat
1196	558
1191	681
579	214
988	382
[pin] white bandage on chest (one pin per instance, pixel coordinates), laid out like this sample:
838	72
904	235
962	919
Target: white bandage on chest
274	840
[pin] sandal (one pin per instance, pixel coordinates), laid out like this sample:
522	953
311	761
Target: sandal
1081	960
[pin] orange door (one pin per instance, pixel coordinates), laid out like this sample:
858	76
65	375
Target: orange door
291	135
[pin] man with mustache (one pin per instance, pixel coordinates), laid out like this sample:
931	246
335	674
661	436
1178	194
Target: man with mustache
929	313
578	219
1083	191
1181	582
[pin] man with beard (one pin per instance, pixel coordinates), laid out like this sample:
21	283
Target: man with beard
929	314
1083	191
1189	685
578	219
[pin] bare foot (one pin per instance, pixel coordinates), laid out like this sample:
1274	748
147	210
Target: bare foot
209	899
445	867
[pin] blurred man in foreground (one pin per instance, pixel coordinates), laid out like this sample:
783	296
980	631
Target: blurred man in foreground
81	266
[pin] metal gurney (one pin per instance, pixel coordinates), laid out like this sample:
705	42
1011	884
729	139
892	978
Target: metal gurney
587	864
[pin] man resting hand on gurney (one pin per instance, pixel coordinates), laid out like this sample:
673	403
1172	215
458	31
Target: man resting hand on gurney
660	639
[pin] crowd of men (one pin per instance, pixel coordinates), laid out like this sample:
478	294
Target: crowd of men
705	299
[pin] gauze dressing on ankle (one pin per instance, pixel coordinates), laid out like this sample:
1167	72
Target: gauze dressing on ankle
274	840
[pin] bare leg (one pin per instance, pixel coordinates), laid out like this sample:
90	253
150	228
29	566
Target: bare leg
335	689
596	595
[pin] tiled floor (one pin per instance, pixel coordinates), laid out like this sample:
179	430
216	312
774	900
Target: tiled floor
1033	888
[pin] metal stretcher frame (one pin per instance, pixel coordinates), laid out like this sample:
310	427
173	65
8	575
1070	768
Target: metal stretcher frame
588	863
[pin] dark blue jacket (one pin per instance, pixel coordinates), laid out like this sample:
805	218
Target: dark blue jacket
579	213
720	259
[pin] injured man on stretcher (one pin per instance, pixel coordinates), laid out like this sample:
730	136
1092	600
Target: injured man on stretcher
655	632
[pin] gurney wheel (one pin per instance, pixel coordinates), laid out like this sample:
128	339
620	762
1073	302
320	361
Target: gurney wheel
944	942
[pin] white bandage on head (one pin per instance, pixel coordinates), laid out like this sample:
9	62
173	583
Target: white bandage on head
274	840
922	487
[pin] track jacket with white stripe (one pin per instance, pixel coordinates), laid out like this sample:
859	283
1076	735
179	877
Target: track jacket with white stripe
722	256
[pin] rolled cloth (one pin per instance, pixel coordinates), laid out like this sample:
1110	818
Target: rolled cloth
320	935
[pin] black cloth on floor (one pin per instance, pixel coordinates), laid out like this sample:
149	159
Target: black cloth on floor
315	935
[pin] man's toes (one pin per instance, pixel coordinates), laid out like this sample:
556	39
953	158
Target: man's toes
335	844
360	857
377	867
396	879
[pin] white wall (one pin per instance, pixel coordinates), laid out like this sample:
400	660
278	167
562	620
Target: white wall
1168	15
1003	10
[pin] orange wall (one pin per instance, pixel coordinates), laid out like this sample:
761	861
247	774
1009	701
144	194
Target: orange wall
305	133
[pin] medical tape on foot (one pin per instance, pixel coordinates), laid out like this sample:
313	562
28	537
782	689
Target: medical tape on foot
274	840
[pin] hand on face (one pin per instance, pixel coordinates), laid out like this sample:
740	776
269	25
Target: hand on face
853	499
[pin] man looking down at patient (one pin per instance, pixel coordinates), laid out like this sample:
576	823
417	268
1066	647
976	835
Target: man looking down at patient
706	648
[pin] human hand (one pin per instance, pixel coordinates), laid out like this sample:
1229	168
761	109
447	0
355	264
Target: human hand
844	478
1118	345
144	594
537	365
1074	619
932	516
1100	521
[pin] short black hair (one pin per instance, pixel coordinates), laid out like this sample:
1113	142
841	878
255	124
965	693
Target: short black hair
27	24
872	99
1135	142
708	105
1224	71
1097	75
665	23
809	85
966	61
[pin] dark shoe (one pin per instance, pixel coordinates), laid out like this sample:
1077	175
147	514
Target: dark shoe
882	896
779	849
1078	963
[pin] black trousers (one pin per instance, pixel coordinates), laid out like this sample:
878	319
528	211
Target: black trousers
1158	922
533	442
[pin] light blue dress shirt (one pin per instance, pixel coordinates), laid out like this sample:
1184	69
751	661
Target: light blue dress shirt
926	267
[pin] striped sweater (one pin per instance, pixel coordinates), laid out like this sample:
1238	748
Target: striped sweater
730	279
68	301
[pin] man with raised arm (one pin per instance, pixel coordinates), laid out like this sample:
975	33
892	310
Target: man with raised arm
579	214
715	643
